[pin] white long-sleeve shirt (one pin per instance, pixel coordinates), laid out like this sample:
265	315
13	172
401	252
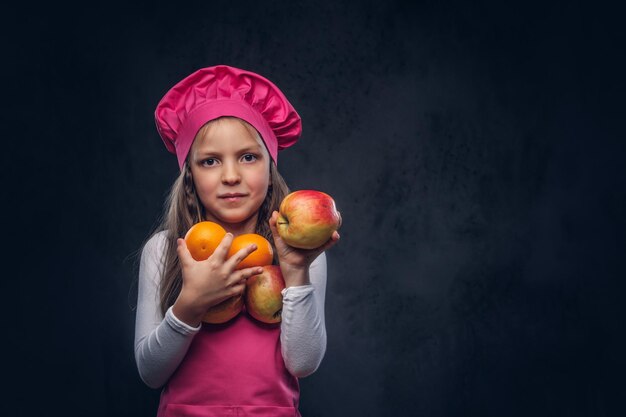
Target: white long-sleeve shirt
162	342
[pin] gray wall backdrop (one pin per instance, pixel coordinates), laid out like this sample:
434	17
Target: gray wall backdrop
473	149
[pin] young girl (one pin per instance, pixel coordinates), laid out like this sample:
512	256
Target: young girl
226	126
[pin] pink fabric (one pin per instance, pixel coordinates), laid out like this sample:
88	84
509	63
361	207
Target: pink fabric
232	369
221	90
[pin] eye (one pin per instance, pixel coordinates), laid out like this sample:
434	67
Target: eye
209	162
249	157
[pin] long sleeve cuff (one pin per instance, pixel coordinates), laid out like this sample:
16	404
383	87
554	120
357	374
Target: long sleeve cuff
159	353
293	294
178	325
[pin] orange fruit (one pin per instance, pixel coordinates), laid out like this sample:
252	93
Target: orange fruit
202	238
263	255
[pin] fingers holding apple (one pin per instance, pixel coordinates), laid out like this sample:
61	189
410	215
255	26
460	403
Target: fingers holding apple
307	219
289	255
304	227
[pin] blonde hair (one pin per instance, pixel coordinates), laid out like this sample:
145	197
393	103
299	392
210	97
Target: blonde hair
183	209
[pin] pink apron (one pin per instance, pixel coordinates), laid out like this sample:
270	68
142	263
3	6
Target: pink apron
234	369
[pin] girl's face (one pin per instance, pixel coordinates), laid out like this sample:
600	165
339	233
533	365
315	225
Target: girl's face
230	169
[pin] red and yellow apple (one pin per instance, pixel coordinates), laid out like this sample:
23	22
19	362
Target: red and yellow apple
307	219
224	311
263	296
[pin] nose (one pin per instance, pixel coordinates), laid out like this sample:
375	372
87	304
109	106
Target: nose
230	173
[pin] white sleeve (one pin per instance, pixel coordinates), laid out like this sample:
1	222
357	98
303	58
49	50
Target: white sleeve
160	342
303	328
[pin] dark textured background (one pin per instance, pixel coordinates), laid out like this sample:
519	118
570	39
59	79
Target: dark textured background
473	149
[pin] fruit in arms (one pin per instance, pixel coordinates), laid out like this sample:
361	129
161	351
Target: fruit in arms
202	238
263	255
224	311
263	295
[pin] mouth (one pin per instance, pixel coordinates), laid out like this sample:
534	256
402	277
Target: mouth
232	196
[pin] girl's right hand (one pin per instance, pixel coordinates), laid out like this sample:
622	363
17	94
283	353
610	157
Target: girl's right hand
209	282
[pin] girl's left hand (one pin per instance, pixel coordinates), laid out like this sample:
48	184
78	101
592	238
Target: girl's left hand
295	258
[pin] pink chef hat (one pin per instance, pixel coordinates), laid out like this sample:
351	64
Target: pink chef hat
218	91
